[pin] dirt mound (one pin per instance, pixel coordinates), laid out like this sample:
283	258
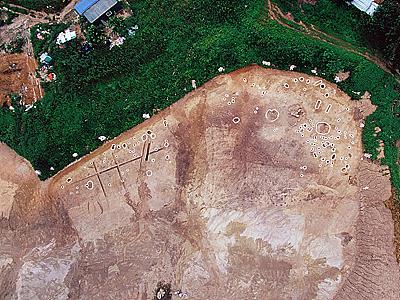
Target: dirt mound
17	76
251	187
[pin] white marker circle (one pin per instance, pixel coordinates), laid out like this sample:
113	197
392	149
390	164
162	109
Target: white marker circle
236	120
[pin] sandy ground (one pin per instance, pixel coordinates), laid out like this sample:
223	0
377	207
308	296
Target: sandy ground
250	187
17	76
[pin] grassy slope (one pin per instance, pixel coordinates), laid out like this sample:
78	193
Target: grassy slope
332	17
106	92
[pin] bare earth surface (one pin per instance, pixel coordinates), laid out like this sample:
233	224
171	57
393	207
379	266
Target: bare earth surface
17	76
251	187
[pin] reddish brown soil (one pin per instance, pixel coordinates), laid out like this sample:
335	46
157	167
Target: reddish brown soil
17	76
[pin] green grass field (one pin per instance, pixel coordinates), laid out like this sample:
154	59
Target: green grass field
105	92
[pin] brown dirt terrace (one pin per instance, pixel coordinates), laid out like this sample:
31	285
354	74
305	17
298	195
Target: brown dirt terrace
17	76
250	187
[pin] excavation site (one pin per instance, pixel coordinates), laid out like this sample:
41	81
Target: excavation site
253	186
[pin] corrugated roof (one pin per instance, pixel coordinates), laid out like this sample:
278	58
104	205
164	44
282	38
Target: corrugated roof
368	6
84	5
98	9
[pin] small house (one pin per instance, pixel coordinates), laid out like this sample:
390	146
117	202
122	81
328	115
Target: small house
96	10
46	59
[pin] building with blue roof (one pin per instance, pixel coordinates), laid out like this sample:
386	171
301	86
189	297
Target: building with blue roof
94	10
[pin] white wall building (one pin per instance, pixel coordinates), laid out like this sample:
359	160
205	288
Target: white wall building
66	36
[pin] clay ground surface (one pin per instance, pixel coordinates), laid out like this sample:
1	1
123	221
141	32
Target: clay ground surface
251	187
17	76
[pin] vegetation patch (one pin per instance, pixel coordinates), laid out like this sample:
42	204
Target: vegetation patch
6	16
14	46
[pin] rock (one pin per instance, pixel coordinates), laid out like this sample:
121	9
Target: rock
5	261
160	293
342	76
113	270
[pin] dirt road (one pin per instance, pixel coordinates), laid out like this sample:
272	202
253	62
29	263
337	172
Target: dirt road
276	14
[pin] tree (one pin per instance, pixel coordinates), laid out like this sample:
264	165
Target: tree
383	31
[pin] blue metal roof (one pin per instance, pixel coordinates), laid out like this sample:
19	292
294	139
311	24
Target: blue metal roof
84	5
